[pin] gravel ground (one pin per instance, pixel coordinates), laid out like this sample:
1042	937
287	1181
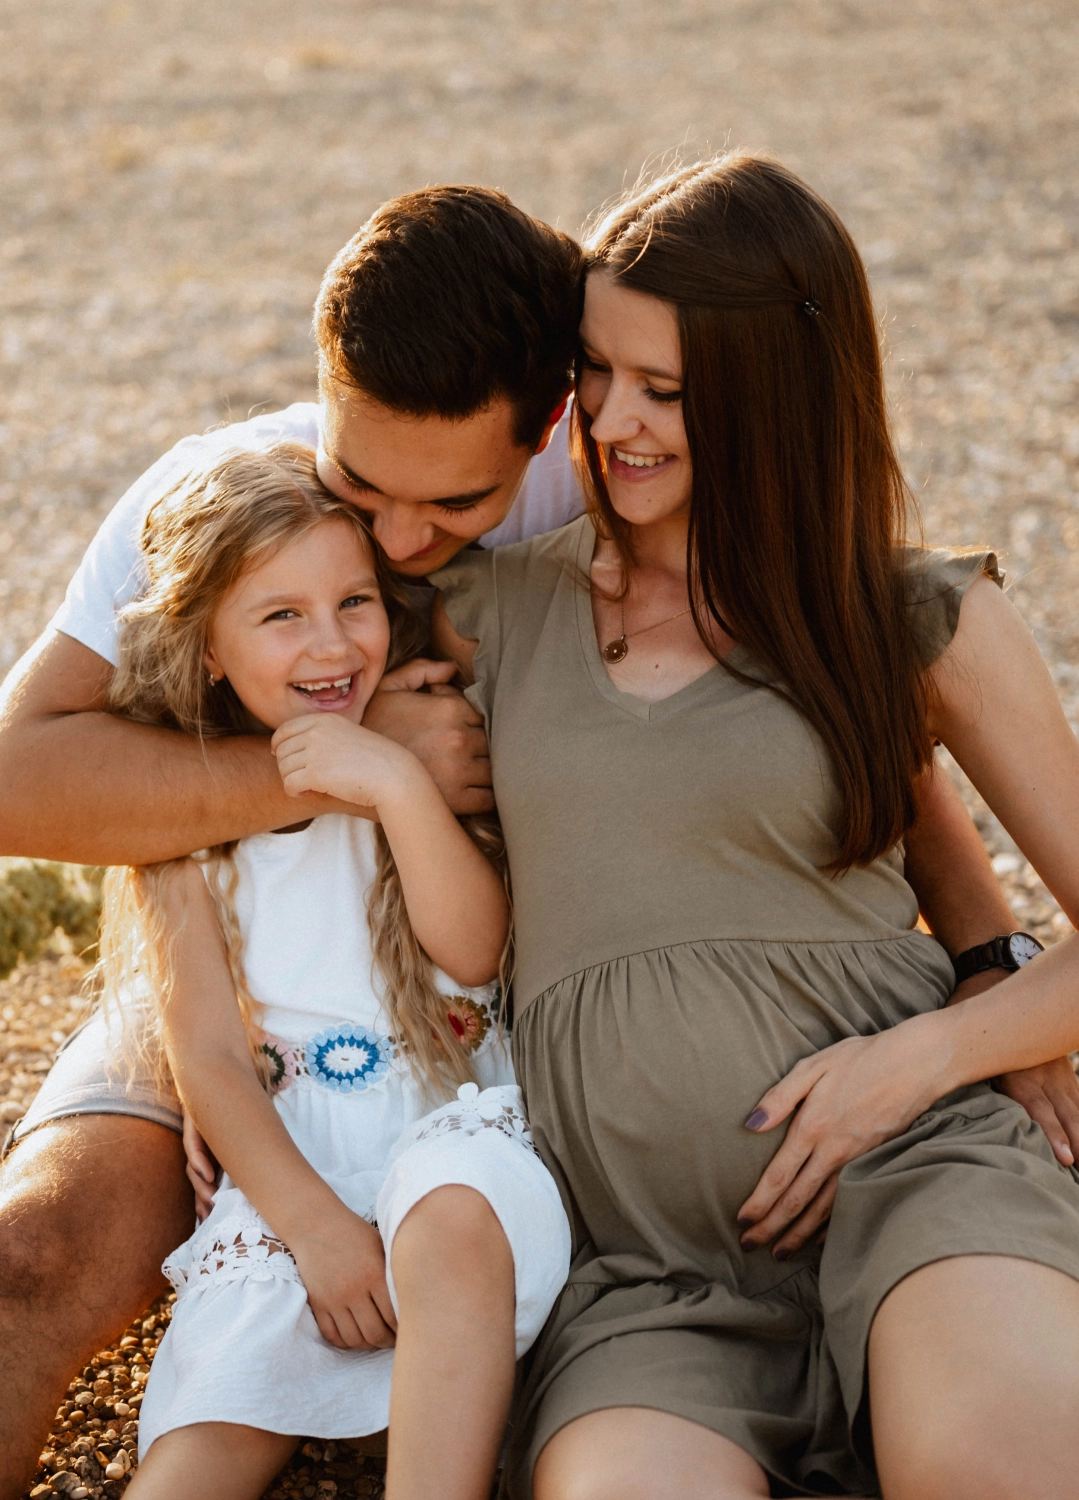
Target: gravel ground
175	177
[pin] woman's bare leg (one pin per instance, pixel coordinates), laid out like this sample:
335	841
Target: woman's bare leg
211	1461
634	1453
974	1382
454	1361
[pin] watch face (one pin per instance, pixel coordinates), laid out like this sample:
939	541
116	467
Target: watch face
1023	948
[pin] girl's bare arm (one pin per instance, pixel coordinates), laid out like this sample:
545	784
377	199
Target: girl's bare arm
455	898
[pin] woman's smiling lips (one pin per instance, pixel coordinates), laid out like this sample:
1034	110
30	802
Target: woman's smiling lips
636	467
328	692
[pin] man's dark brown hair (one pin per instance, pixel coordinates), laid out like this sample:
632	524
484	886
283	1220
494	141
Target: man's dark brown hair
451	298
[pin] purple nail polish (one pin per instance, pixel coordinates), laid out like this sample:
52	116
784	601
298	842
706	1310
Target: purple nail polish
744	1223
782	1253
747	1245
756	1119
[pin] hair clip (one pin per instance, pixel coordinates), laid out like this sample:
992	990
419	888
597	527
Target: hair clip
811	307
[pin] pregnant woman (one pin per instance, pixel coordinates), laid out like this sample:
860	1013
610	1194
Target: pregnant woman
709	703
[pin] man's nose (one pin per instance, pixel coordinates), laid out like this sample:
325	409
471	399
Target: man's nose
400	531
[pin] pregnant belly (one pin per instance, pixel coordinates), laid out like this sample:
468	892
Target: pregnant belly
640	1074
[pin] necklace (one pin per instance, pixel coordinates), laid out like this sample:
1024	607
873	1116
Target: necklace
618	649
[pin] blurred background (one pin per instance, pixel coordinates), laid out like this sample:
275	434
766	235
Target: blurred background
174	177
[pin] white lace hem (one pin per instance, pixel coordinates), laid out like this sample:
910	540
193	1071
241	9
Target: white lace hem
500	1108
242	1248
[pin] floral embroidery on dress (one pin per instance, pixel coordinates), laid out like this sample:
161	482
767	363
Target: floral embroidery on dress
284	1064
348	1058
469	1021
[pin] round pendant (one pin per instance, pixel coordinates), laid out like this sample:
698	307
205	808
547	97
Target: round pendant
616	650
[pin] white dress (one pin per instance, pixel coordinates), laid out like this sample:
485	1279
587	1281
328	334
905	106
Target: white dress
243	1345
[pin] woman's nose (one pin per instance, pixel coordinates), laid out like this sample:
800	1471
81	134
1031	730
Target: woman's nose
616	420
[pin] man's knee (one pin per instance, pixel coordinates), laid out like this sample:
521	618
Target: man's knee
77	1191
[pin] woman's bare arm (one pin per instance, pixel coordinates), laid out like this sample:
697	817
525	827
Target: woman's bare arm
948	868
455	898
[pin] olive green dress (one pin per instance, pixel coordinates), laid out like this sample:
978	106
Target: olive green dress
678	951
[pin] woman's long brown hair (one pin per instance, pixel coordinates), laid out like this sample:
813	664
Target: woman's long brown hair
798	501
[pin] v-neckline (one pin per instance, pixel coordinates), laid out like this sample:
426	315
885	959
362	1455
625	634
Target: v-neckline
640	708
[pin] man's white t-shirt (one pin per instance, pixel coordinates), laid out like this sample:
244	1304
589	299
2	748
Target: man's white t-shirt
111	574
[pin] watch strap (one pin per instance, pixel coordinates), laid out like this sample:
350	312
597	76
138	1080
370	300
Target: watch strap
981	958
995	954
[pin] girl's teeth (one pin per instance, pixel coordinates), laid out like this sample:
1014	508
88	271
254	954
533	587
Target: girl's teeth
641	460
339	685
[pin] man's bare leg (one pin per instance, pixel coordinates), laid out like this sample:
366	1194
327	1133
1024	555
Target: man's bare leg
89	1207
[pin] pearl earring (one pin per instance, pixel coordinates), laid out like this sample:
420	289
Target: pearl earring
213	679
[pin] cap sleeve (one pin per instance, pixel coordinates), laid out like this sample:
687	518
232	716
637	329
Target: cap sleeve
470	598
937	579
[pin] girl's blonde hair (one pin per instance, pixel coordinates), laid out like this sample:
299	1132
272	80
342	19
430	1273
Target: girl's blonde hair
198	540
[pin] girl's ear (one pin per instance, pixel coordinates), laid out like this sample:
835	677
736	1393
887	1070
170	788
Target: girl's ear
212	665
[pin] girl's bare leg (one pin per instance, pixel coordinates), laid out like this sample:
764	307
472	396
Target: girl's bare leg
211	1461
454	1361
974	1382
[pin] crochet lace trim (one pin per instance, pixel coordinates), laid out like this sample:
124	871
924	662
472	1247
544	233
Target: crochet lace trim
245	1252
500	1109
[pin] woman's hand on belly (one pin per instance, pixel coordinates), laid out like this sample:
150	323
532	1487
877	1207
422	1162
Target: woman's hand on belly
849	1098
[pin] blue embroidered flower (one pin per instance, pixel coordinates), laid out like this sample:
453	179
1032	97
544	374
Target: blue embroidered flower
347	1059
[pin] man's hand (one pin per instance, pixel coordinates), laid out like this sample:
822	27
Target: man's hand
1050	1096
440	727
1049	1093
203	1172
342	1263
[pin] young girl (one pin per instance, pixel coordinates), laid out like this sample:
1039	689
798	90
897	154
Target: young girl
311	1046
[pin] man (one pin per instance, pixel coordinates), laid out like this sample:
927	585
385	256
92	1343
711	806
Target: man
446	334
446	331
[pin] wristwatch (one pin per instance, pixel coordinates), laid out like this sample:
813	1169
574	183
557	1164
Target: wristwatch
1010	952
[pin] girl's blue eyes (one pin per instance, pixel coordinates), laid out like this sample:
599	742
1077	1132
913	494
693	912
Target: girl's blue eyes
350	603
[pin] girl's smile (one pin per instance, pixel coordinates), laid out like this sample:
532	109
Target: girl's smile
305	631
